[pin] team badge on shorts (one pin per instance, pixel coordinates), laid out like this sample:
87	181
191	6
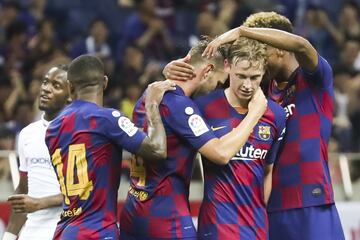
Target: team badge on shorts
264	132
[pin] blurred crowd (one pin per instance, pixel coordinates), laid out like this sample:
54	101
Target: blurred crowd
136	38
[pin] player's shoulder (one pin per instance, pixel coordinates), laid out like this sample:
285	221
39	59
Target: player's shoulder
322	66
176	98
32	128
277	111
208	98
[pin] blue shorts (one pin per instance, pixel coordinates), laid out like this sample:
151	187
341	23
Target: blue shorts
310	223
125	236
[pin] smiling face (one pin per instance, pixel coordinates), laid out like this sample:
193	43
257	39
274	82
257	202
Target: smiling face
245	78
54	91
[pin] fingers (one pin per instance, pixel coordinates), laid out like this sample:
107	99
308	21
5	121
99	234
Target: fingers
209	51
16	197
187	58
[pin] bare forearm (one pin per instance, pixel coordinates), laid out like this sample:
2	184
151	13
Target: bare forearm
236	139
155	144
273	37
144	40
50	201
304	52
16	221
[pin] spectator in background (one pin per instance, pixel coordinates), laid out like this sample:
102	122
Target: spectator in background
147	31
349	53
7	142
341	123
348	20
96	44
127	105
320	31
9	13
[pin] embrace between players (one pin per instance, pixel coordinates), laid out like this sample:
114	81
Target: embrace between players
260	181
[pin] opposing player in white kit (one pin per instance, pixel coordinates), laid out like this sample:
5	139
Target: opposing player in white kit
38	193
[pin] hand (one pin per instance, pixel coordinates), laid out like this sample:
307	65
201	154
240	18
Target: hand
22	203
156	90
156	25
258	103
214	45
179	69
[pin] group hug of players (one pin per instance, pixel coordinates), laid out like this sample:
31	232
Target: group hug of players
265	160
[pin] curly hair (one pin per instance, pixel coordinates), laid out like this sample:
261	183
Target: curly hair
250	50
269	20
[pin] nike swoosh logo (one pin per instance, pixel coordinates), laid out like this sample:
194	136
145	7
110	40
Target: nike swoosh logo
217	128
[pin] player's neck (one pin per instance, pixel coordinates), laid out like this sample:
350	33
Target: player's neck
49	116
188	87
234	101
96	98
286	72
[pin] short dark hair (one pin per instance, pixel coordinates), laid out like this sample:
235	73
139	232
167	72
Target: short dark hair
85	71
63	67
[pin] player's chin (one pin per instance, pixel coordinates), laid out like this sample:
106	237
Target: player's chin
43	106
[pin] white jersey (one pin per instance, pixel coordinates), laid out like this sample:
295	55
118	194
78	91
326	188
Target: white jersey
42	181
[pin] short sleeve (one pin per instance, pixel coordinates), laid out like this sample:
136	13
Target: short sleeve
185	119
322	76
122	131
22	159
277	143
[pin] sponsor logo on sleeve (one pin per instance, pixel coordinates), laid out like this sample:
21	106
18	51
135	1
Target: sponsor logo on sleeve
127	126
197	125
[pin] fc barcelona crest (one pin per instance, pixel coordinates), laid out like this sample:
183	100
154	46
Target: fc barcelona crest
264	132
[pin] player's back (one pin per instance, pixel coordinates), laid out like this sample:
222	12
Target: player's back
88	166
233	204
157	204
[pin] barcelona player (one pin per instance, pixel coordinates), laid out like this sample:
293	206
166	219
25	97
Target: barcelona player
157	205
235	195
301	205
85	142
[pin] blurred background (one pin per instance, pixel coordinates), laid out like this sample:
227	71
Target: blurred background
136	38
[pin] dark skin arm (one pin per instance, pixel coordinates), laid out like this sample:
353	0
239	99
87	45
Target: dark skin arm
22	203
304	52
17	220
154	145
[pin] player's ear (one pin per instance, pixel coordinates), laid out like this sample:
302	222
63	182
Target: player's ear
106	81
226	66
71	88
208	69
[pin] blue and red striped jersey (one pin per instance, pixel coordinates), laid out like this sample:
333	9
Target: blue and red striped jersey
301	174
86	142
233	206
157	204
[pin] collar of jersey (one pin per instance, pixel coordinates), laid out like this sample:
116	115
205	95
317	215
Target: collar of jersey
44	121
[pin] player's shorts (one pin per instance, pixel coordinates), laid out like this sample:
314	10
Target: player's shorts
310	223
125	236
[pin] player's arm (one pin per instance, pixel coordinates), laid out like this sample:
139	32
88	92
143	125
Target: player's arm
16	220
23	203
267	181
154	145
304	52
221	150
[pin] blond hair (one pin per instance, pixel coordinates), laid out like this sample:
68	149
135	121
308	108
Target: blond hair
269	20
196	54
249	50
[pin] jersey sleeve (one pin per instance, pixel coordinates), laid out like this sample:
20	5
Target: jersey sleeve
277	143
322	76
122	130
22	158
185	119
